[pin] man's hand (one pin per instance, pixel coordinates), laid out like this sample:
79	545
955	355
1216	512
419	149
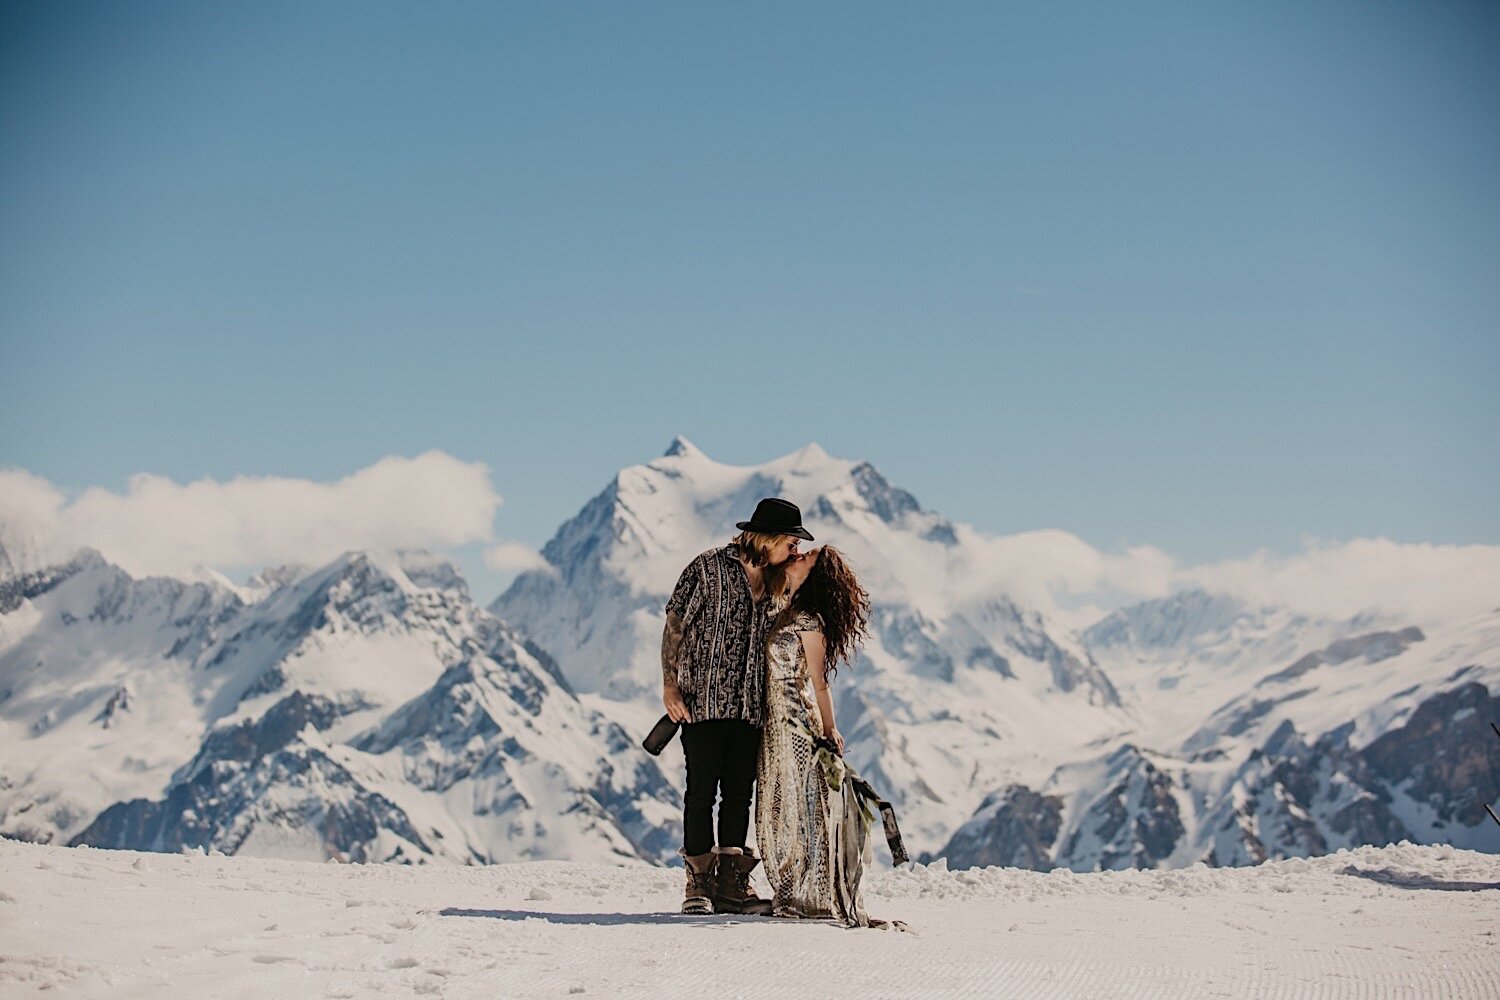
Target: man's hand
671	697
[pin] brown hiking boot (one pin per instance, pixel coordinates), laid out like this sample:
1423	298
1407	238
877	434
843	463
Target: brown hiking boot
732	892
701	869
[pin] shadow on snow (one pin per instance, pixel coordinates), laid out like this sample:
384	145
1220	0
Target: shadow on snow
709	920
1411	880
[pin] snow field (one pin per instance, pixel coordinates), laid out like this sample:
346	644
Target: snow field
1400	921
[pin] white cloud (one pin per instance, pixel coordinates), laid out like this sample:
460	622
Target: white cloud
1342	578
1051	568
28	521
158	526
435	501
1070	580
513	557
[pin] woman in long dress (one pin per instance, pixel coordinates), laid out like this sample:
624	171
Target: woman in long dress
811	823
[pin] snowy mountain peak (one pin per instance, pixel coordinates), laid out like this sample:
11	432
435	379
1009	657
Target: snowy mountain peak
619	557
806	472
681	447
1167	621
426	570
26	548
273	577
809	455
886	501
364	571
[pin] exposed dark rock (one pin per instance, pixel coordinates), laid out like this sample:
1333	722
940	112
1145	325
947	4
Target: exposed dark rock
118	703
1290	799
942	533
620	799
1237	718
1372	647
1014	827
1445	755
450	713
1029	637
986	658
426	570
270	681
548	664
888	502
222	805
217	800
1135	823
255	738
823	509
27	586
906	634
574	548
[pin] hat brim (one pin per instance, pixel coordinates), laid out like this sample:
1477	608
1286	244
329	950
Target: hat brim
798	532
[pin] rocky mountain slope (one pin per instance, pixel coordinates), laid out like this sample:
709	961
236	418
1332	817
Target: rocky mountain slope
365	709
1274	740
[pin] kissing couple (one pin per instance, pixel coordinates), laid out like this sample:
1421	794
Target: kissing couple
755	630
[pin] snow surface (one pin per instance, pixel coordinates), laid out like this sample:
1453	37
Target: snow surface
1398	921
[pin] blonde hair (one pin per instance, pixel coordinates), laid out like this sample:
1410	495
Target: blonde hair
756	545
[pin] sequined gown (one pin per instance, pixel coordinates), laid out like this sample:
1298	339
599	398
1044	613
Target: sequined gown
813	836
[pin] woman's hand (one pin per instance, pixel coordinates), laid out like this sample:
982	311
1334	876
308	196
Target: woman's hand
837	737
671	697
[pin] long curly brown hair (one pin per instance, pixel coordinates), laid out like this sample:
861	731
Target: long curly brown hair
832	593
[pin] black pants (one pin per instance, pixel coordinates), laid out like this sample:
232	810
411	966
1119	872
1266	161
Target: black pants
721	757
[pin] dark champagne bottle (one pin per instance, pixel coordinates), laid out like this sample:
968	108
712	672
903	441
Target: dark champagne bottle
661	734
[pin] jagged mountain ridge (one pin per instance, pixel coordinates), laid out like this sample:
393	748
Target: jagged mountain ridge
1300	757
263	721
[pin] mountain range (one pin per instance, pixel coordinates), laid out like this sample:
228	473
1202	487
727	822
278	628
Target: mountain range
369	709
366	709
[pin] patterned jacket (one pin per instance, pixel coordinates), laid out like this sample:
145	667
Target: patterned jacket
714	646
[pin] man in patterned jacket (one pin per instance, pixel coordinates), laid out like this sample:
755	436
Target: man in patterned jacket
713	657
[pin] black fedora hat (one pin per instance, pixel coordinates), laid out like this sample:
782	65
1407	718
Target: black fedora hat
775	516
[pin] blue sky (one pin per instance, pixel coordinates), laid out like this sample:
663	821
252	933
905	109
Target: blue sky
1206	277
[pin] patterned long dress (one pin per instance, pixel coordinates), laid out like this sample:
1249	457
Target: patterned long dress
809	824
